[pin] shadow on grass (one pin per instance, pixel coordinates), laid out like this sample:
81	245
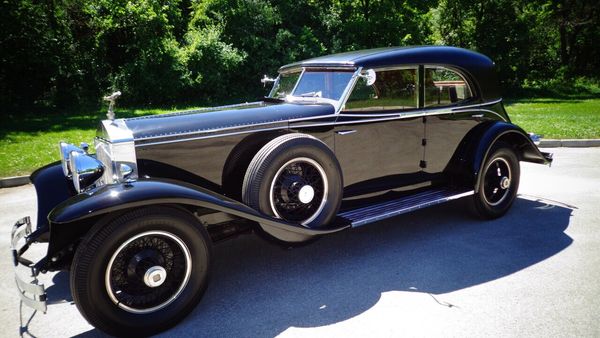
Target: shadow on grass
72	120
83	118
562	92
261	290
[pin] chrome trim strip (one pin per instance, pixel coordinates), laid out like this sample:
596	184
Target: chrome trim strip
198	110
479	110
298	81
323	64
300	119
348	90
210	136
346	132
386	117
215	130
375	118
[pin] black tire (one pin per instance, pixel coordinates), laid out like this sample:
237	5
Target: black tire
498	183
306	165
106	275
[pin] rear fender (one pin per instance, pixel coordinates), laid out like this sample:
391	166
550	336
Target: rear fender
73	217
478	143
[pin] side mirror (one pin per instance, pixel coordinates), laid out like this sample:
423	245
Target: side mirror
370	76
266	80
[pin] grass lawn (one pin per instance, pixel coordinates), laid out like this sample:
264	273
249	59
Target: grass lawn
557	118
28	142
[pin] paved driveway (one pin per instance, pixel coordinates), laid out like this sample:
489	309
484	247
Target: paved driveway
535	272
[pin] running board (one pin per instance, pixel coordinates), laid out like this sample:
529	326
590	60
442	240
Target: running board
402	205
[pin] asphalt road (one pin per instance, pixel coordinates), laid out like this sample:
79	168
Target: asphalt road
436	272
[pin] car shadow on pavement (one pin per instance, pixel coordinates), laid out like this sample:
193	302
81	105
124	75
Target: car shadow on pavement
258	289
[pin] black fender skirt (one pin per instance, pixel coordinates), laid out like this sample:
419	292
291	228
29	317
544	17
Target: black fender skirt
146	192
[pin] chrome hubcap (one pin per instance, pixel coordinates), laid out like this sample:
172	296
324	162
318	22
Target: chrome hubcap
136	276
497	181
299	191
155	276
505	182
306	194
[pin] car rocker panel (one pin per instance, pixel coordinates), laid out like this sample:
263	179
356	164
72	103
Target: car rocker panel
341	141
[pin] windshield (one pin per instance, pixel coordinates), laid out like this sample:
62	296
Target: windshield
312	84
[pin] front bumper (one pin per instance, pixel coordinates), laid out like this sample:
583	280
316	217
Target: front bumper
32	293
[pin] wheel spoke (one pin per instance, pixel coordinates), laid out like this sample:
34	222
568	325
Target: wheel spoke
125	273
287	185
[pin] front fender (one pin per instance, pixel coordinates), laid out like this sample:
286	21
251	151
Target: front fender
146	192
52	188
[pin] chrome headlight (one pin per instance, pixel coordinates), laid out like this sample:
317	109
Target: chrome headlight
65	155
85	170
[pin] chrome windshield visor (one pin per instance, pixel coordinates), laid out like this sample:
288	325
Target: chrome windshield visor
318	85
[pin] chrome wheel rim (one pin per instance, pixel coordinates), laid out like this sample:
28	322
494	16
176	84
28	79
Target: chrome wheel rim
148	272
497	181
298	192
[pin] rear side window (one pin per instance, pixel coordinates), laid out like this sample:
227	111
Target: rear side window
445	87
393	90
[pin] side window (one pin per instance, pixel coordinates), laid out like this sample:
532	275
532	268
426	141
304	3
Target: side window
393	90
444	87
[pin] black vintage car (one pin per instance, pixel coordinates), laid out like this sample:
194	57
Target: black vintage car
341	141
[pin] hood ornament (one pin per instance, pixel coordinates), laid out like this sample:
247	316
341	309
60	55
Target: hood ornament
112	98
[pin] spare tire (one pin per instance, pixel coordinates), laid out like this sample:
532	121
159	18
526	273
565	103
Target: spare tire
295	177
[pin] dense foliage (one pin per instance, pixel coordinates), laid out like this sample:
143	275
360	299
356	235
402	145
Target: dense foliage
67	52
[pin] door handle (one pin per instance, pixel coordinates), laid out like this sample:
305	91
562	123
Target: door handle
346	132
477	116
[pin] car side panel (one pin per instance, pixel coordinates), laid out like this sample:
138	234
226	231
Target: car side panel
219	162
445	132
370	149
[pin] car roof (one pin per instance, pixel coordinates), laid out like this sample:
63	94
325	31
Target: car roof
477	67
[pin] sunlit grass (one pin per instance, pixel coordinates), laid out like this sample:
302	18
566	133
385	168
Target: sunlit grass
28	142
557	118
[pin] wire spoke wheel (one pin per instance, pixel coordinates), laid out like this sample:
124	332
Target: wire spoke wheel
148	272
299	190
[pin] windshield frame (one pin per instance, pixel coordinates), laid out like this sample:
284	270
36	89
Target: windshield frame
338	104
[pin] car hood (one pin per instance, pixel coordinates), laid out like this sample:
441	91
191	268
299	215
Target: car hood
223	119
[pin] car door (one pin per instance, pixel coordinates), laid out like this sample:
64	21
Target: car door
446	90
378	146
